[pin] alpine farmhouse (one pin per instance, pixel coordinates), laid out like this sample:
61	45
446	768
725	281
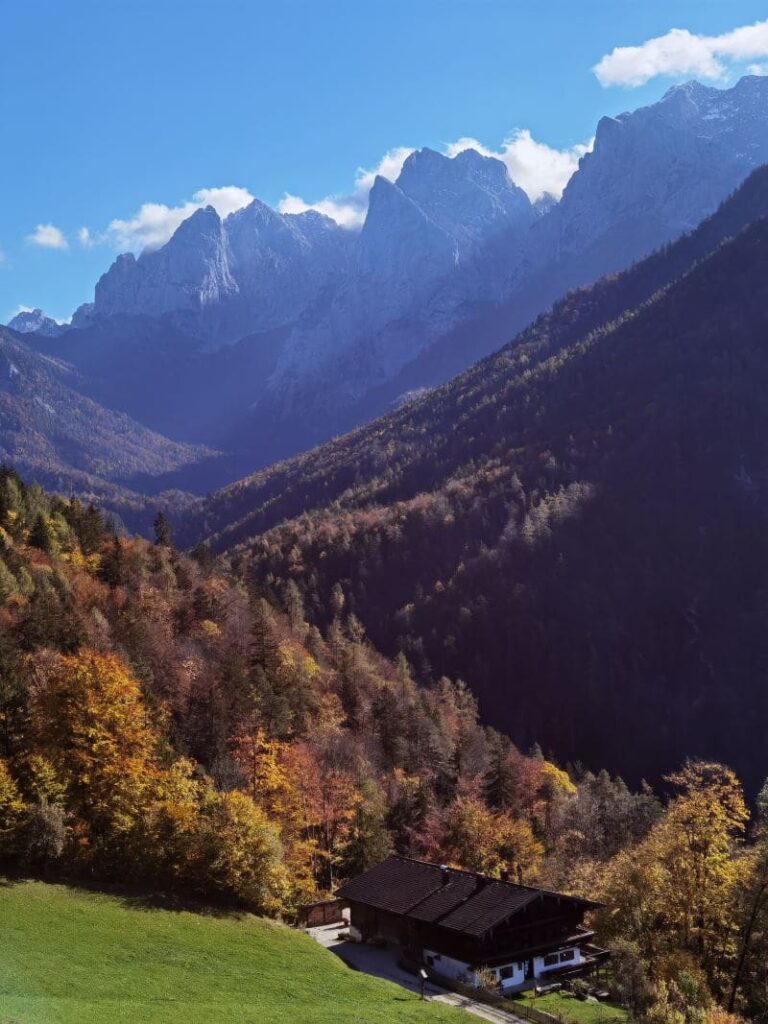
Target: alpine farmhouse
458	923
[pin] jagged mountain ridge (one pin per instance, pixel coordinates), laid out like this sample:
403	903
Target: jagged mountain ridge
222	280
260	501
270	333
651	175
214	272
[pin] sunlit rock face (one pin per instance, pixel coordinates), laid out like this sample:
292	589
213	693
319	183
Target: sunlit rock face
452	259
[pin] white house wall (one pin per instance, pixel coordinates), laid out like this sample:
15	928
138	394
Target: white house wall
457	970
540	968
514	980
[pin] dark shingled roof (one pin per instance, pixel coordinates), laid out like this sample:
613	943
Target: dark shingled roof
459	900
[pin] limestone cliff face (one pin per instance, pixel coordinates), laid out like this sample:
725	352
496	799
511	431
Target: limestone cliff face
309	318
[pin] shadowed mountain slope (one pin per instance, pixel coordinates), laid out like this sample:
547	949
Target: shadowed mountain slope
576	525
69	443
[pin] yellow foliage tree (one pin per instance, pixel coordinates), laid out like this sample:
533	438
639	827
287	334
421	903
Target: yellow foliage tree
11	809
168	834
675	891
481	840
245	853
91	723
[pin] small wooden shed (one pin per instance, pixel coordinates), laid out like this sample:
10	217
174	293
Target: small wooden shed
313	915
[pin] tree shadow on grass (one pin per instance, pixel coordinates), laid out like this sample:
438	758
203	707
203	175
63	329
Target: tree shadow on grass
10	878
176	902
132	897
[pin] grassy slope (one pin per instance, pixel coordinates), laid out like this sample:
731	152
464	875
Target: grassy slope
70	957
568	1008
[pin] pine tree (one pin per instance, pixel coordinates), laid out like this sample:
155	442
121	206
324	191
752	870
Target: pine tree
369	841
8	582
42	536
162	530
265	649
113	564
91	530
203	556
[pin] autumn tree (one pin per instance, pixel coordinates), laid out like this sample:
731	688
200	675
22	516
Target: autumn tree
12	811
490	842
13	700
751	920
91	723
674	891
241	852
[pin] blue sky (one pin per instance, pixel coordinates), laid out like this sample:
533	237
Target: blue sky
108	106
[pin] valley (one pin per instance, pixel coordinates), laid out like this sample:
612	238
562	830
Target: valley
263	334
392	563
647	420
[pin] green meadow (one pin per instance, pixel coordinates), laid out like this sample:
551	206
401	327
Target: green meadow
73	957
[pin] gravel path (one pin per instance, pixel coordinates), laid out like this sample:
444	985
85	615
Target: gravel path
382	963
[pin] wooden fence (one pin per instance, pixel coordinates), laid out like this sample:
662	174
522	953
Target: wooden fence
520	1009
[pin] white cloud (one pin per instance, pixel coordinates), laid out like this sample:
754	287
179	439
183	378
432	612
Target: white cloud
48	236
681	52
537	168
349	210
154	223
224	200
345	211
534	166
760	70
389	167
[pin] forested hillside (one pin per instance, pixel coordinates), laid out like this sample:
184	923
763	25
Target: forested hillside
165	727
578	523
159	721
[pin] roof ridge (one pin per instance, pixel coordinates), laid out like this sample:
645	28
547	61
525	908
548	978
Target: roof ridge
488	878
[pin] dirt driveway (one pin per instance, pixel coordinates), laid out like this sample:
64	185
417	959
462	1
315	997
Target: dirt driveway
382	963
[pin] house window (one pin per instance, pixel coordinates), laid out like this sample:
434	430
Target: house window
430	961
567	954
507	972
551	959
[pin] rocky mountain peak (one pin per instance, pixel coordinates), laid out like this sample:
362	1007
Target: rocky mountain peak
199	224
34	321
469	196
451	237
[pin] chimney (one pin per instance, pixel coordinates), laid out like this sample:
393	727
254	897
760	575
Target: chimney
445	874
504	874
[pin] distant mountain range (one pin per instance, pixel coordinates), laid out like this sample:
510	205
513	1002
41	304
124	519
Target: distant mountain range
264	334
576	525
